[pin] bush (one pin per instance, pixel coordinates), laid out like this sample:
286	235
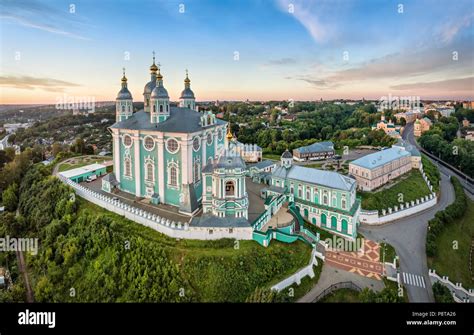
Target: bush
442	293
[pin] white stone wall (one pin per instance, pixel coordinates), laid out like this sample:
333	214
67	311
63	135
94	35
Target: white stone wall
160	224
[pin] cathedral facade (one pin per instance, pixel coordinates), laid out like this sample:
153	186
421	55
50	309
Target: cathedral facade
160	152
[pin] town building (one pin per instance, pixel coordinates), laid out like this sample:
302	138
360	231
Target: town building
251	153
326	199
315	151
388	127
377	169
421	125
409	116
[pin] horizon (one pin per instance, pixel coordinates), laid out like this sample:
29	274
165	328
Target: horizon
257	51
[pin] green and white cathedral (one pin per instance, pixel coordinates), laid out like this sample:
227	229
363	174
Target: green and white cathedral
176	155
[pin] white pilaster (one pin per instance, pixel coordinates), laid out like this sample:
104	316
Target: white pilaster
136	147
117	158
161	167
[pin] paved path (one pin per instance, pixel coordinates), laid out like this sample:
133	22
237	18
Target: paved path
331	275
365	262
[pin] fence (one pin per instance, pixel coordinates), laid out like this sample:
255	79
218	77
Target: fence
345	284
163	225
300	274
460	294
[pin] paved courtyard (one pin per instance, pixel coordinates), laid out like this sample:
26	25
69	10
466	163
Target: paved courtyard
364	263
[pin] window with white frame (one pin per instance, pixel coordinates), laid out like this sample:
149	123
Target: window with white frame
197	170
196	143
127	141
172	145
127	167
209	138
173	173
149	175
148	143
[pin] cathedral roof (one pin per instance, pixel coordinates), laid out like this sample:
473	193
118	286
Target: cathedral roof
230	160
159	92
287	154
181	120
149	87
124	94
187	93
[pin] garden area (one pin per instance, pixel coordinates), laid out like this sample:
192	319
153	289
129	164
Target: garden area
77	162
408	187
107	258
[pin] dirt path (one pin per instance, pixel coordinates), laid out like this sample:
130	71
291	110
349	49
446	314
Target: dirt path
24	273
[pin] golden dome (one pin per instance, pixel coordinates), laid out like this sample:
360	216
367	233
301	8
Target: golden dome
153	68
159	76
229	134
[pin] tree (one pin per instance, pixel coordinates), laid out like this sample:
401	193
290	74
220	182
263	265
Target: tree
10	197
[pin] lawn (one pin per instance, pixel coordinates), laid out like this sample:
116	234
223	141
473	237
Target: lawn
431	171
450	261
315	165
219	270
410	186
274	157
341	295
389	252
306	284
83	161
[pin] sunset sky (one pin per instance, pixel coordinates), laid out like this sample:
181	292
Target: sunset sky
301	50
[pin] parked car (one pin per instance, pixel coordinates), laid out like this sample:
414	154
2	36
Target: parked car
91	178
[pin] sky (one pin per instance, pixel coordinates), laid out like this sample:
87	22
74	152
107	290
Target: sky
237	50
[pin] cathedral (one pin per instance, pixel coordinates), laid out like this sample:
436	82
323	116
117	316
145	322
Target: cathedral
175	155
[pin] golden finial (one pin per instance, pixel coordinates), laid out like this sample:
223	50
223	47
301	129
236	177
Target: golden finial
124	79
159	76
187	78
153	67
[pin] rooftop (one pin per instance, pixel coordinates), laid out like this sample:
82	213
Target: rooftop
81	170
316	147
181	119
380	158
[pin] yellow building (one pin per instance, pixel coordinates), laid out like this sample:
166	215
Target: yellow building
422	125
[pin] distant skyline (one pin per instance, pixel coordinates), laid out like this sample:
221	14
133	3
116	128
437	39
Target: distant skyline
301	50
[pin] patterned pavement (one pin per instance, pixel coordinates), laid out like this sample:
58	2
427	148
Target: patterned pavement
366	263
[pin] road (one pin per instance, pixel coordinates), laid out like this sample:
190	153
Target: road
408	235
410	138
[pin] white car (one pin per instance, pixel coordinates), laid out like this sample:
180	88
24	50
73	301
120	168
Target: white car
91	178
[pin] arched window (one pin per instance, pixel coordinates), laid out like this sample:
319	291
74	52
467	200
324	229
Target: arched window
127	167
173	176
308	195
333	222
197	172
343	203
325	199
161	108
154	108
149	172
229	188
209	160
208	120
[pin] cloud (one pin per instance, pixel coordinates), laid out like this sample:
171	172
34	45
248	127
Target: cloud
458	84
282	61
450	30
316	82
36	15
305	12
31	83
